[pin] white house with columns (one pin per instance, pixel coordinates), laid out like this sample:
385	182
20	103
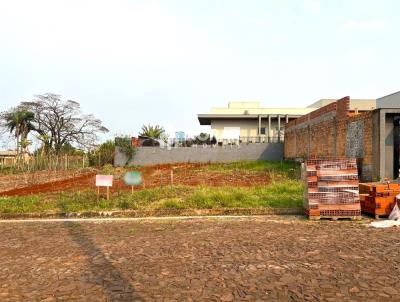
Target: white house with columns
249	122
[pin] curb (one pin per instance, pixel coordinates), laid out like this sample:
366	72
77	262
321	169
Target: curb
156	213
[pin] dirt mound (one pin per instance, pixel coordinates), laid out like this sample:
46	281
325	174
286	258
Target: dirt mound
82	181
10	182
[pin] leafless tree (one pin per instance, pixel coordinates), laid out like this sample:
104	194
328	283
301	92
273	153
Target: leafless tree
58	122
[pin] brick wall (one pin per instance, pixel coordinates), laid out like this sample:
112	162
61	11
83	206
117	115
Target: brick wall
332	131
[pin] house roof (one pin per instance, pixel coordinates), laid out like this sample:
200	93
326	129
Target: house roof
389	101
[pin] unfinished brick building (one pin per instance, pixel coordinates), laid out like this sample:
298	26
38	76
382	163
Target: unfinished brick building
335	131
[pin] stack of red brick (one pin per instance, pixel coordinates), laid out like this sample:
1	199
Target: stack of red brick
378	199
331	189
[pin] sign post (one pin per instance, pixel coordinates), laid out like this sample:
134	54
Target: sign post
133	178
104	181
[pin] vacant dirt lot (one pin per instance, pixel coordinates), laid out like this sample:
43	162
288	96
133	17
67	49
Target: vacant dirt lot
154	176
18	181
254	259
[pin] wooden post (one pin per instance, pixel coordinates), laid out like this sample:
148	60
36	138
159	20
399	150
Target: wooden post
172	177
108	193
132	189
160	180
98	194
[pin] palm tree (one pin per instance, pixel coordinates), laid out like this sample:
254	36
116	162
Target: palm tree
155	132
21	123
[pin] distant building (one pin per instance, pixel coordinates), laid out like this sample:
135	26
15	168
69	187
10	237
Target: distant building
8	157
142	141
248	122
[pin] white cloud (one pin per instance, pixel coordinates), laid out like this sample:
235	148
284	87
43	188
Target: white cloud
376	25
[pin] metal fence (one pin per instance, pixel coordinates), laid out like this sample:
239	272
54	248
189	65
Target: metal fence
176	143
260	139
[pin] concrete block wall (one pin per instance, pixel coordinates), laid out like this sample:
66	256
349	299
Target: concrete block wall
332	131
156	155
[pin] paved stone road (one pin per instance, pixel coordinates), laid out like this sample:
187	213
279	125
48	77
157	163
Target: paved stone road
256	259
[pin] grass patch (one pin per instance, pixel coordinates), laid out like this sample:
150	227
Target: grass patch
277	195
275	169
25	204
286	195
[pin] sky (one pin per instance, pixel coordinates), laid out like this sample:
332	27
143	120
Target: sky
162	62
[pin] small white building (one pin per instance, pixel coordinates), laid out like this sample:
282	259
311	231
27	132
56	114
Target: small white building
8	157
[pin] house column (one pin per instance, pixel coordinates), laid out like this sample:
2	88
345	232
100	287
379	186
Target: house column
269	128
287	121
382	143
259	128
279	128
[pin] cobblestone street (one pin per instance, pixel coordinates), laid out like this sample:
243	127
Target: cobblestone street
229	259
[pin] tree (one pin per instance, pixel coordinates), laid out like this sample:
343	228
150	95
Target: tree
155	132
66	149
202	139
59	122
103	155
124	145
20	122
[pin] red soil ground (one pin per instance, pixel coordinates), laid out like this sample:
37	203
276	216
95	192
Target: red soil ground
153	176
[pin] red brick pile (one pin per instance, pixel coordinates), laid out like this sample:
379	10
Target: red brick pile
331	189
377	198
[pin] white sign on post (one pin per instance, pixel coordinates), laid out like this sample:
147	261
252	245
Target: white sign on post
104	180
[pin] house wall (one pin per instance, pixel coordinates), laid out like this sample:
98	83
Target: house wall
248	128
7	161
157	155
332	132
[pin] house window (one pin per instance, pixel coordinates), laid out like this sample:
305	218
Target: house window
262	131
